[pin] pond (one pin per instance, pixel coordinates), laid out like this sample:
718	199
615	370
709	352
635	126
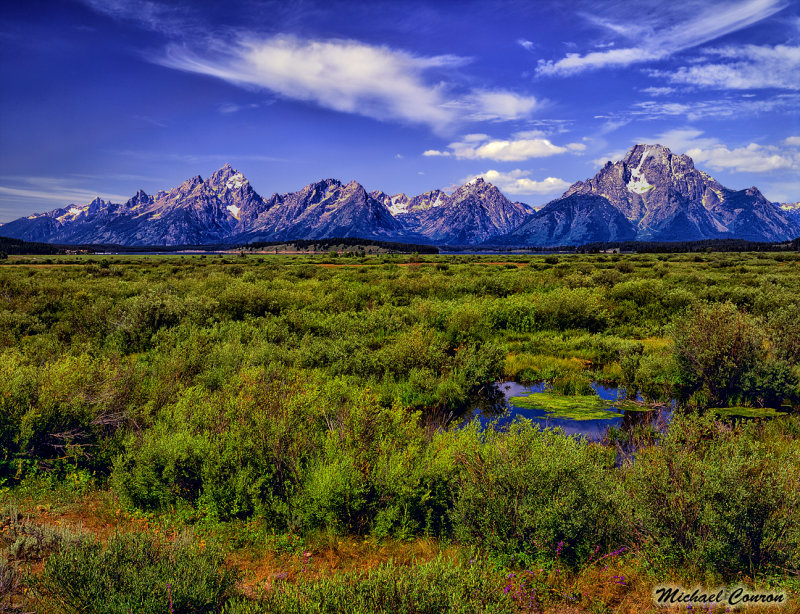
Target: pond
586	416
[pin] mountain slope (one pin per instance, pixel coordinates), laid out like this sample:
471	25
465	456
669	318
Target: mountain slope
196	212
475	212
790	210
668	199
573	220
322	210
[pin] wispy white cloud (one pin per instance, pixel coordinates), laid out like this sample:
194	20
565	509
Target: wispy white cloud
342	75
659	42
752	158
519	183
629	29
792	140
497	105
156	16
522	146
526	44
658	91
507	150
231	108
150	120
729	107
213	158
742	68
574	63
552	126
612	156
45	193
352	77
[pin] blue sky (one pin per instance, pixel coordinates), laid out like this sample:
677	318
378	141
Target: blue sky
103	97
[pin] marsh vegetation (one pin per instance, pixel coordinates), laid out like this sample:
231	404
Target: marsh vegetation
210	418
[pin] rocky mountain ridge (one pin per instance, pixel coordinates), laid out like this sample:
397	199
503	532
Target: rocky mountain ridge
651	194
663	197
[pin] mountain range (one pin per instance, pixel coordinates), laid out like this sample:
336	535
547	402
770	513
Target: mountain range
651	195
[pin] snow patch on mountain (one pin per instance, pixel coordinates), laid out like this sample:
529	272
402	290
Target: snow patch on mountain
638	183
398	204
236	182
71	213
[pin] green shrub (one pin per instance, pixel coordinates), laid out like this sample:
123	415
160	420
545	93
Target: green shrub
336	494
717	500
515	313
565	309
135	573
785	328
524	491
435	587
715	346
162	468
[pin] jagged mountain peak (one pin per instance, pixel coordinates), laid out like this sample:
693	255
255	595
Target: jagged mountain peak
477	187
139	198
642	151
189	185
319	189
227	178
666	198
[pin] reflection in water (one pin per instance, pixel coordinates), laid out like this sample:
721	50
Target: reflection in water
493	409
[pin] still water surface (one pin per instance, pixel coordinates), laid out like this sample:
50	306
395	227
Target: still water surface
494	410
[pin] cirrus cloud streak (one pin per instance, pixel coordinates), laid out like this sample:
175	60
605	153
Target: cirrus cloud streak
662	42
351	77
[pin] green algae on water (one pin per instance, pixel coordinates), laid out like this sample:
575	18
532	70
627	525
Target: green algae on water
578	407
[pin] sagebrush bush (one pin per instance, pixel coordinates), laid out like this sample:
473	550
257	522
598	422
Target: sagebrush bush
718	499
438	586
135	573
725	356
523	491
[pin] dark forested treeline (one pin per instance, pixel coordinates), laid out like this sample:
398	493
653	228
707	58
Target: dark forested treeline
706	245
332	243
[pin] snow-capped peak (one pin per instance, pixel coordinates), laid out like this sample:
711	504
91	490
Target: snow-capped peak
235	181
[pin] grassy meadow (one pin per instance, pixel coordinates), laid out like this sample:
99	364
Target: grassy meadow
279	433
